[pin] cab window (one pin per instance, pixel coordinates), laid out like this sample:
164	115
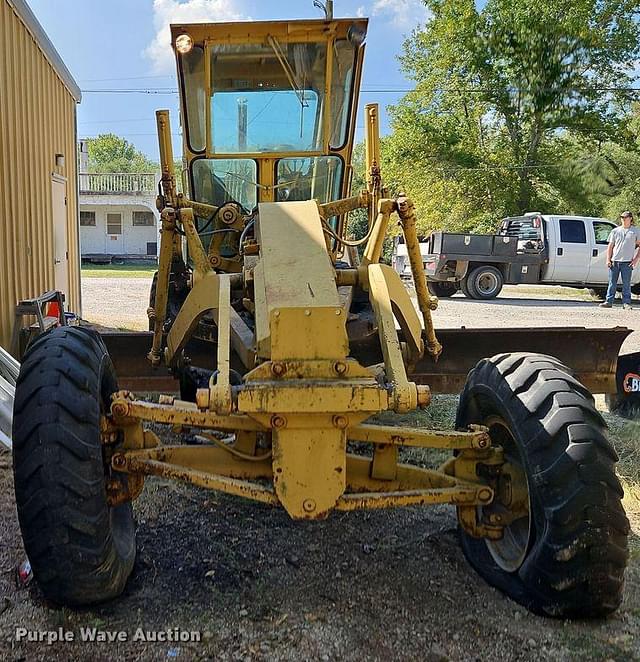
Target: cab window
602	230
572	232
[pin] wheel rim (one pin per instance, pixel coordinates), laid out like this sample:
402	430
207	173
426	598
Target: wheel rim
486	283
510	551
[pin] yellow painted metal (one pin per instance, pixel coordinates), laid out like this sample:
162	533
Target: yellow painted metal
204	296
167	241
343	206
385	462
163	125
37	122
125	410
353	483
406	212
372	158
404	436
306	283
309	469
291	329
404	311
373	249
220	387
310	397
196	251
233	486
405	393
207	459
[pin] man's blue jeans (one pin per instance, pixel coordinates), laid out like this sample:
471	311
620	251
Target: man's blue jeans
625	270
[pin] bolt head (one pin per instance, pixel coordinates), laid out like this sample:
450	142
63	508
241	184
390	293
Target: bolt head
278	368
278	421
340	367
118	461
308	505
484	494
340	422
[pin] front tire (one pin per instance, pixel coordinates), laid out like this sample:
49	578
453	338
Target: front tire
569	559
81	549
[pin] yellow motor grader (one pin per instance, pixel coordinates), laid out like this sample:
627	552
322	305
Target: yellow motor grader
305	342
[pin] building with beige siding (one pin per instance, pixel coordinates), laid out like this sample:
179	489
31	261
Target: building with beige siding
39	239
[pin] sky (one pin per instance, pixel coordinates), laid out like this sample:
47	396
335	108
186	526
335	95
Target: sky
120	44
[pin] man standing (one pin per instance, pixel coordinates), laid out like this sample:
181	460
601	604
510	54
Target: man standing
623	253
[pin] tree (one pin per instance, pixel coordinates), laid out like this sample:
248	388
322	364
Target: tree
497	92
110	153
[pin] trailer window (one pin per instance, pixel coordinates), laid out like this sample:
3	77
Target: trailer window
572	232
602	230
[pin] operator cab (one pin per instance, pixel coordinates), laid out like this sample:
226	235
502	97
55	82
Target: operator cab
268	109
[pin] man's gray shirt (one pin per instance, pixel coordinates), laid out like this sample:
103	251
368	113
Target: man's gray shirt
624	243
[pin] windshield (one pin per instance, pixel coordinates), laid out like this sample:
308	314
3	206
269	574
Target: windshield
267	97
317	178
265	121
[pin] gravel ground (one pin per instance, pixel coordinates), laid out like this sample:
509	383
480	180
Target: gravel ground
122	303
377	586
520	306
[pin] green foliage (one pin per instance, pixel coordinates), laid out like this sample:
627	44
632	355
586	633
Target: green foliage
519	106
110	153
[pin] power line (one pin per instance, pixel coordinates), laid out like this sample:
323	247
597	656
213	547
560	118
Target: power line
139	119
460	90
105	80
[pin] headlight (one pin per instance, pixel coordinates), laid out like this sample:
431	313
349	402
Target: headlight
184	44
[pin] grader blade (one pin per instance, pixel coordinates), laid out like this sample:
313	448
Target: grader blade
592	354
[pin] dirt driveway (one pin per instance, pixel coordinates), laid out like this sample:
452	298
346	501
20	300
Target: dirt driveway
256	585
122	303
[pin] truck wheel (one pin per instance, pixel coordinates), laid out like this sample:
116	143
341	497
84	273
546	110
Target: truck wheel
441	289
467	289
485	282
566	557
81	549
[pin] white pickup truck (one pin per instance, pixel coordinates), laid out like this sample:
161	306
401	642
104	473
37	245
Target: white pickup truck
533	249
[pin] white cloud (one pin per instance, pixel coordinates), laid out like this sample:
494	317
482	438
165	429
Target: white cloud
361	11
166	12
406	14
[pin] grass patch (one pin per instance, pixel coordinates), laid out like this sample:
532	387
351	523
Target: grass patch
119	270
624	435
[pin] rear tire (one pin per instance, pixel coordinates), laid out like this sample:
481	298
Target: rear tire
81	549
571	561
485	282
467	289
441	289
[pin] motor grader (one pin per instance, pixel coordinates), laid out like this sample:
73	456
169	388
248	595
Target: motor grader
307	341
